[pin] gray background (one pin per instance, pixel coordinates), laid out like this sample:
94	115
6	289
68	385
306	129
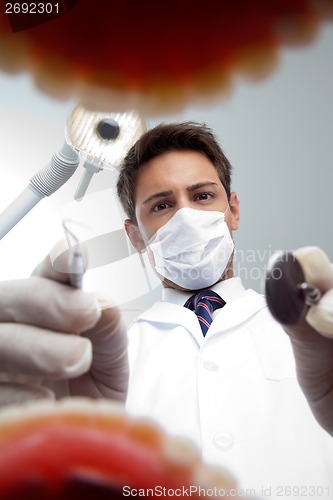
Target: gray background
276	133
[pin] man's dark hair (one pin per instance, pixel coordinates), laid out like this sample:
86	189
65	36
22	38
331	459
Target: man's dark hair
161	139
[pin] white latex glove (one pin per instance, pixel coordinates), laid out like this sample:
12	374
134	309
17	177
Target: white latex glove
52	334
312	338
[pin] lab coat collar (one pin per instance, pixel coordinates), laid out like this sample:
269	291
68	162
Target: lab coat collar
240	305
229	290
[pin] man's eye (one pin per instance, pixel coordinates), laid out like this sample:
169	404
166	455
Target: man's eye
160	207
204	196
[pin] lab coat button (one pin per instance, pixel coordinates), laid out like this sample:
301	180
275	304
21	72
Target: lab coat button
211	366
223	441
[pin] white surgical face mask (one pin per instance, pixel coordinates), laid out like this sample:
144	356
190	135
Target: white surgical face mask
193	248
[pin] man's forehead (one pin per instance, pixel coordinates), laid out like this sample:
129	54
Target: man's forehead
179	165
177	155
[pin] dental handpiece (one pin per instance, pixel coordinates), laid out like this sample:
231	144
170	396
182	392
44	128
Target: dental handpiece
76	264
76	268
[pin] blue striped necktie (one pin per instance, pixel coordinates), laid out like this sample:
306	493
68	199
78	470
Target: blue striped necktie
204	304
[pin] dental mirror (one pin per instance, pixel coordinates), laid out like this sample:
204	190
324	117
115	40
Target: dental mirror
288	295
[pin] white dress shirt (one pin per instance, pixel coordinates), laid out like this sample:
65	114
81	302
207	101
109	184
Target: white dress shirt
234	392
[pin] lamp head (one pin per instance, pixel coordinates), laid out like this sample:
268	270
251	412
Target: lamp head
103	138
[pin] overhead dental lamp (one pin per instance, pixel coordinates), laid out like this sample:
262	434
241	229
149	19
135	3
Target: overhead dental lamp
101	139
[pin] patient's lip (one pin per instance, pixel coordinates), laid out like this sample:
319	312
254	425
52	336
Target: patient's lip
120	444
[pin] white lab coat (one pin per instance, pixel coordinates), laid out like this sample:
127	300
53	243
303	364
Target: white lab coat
233	392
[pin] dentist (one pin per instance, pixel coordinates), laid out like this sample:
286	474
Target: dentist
209	361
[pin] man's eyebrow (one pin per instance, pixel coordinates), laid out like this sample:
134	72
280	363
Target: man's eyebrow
161	194
200	185
169	192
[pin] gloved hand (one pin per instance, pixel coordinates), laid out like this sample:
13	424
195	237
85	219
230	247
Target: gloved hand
54	335
312	338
